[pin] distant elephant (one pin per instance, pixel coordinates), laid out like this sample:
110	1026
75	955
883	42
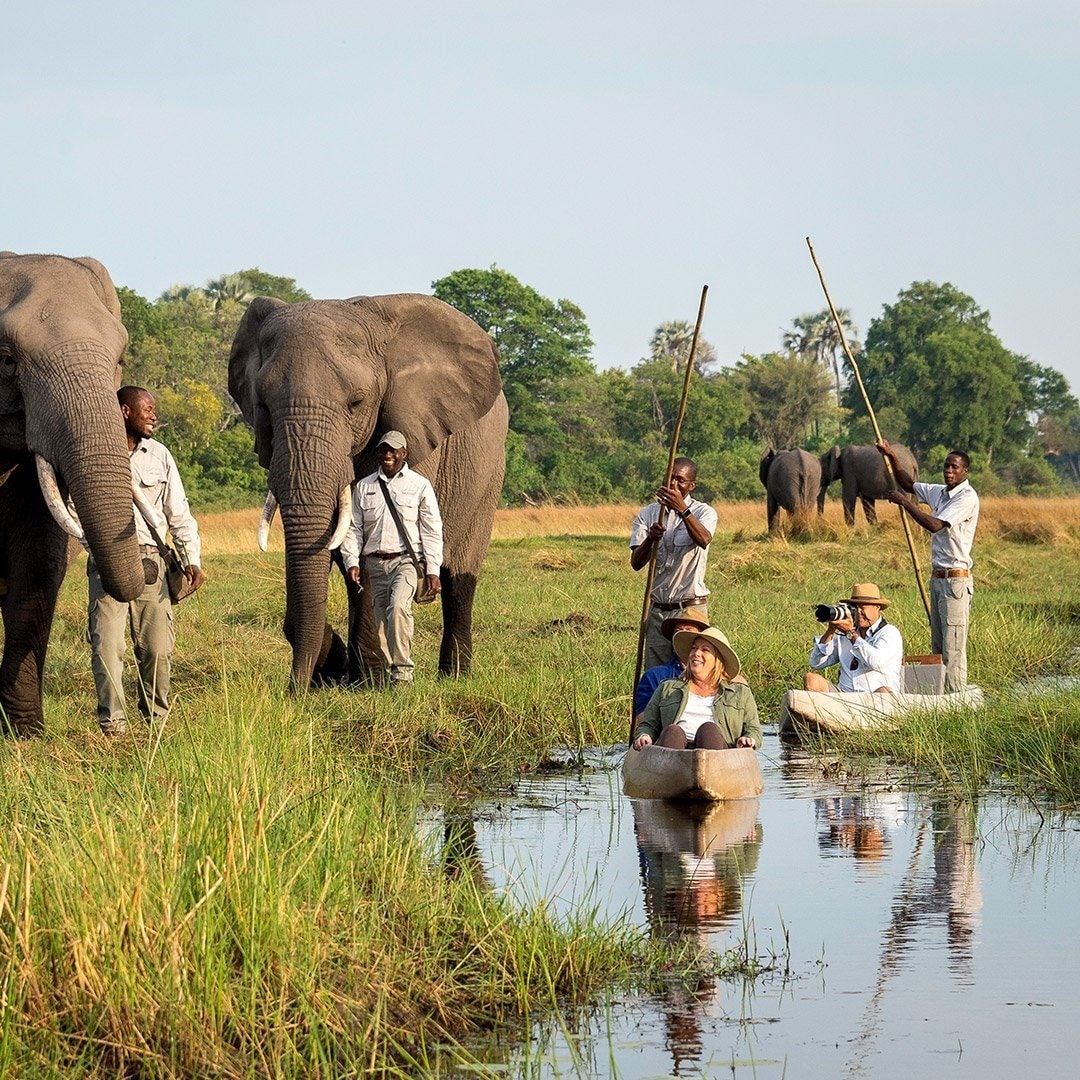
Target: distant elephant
862	471
319	382
61	434
792	479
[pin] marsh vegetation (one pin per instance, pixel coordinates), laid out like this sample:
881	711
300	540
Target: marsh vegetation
245	892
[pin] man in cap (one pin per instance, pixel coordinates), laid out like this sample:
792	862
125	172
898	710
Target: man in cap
376	537
681	544
869	650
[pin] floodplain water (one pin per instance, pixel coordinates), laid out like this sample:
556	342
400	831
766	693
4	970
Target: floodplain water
903	932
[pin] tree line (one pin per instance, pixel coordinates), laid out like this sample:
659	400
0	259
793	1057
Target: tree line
937	374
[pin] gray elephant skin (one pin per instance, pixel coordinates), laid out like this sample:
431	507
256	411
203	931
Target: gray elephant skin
862	472
319	381
792	479
61	340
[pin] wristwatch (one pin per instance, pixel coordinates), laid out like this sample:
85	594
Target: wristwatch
684	514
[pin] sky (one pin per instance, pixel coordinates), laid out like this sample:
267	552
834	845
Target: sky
618	155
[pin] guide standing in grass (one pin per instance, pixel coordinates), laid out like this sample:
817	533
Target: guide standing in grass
397	531
951	522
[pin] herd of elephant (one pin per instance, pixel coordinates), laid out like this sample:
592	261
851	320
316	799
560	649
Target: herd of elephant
795	480
318	382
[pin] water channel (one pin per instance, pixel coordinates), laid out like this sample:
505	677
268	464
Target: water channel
907	932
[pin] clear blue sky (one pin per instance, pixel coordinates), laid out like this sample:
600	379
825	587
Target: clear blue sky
618	155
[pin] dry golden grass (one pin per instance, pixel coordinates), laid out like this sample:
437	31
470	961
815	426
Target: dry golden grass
1022	520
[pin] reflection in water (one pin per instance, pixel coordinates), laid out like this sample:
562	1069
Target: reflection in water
858	825
694	858
952	891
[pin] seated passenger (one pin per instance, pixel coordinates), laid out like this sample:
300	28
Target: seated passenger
704	708
869	650
687	619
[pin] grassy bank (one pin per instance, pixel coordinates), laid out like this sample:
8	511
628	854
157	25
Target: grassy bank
244	893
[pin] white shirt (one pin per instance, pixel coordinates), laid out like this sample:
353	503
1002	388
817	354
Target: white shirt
154	470
680	563
879	656
374	528
697	711
950	549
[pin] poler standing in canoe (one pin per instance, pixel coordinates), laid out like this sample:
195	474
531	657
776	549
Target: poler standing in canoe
704	709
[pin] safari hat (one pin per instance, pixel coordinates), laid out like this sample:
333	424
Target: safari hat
683	641
867	592
394	439
691	615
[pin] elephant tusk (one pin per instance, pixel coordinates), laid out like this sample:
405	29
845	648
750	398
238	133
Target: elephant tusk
344	518
50	491
269	510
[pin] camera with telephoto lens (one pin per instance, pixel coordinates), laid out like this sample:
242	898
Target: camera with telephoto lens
837	613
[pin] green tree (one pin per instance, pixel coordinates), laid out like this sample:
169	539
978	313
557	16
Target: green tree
787	397
283	288
933	354
815	336
671	343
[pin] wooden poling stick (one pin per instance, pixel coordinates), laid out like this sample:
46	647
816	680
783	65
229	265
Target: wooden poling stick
877	430
651	571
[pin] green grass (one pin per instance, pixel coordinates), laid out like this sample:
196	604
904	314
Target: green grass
244	891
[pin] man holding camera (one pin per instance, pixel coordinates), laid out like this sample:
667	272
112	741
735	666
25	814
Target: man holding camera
869	650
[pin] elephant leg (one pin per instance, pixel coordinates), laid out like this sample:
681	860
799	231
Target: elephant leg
35	556
849	511
869	511
455	652
772	509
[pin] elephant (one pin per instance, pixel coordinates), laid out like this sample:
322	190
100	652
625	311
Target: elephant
862	471
320	381
791	479
61	436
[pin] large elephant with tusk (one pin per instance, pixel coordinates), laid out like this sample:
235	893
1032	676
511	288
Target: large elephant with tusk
319	382
61	437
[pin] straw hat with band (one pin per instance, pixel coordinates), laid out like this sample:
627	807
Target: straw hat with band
867	593
691	615
684	640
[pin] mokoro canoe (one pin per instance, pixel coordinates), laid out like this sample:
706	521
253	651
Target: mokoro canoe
808	710
658	772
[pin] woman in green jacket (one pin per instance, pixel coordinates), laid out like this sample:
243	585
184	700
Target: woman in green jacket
704	708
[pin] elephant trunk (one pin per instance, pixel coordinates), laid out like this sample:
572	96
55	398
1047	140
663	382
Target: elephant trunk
81	434
310	469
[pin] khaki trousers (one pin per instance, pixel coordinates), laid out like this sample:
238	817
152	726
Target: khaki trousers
950	609
152	634
393	586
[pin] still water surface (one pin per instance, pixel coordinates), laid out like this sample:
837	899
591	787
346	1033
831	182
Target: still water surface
911	933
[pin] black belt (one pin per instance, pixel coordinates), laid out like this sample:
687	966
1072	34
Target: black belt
384	554
678	605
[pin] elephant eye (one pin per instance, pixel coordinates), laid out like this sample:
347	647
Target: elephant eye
7	356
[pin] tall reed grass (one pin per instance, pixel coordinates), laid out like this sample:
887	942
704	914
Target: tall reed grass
243	892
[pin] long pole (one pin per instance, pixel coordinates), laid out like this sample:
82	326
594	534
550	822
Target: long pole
651	572
877	430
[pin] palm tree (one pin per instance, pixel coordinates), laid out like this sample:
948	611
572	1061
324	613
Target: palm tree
671	342
815	337
230	287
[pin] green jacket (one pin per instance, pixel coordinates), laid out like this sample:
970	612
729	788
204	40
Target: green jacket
735	710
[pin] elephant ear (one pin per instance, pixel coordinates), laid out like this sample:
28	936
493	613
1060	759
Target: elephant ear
766	461
245	358
442	369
